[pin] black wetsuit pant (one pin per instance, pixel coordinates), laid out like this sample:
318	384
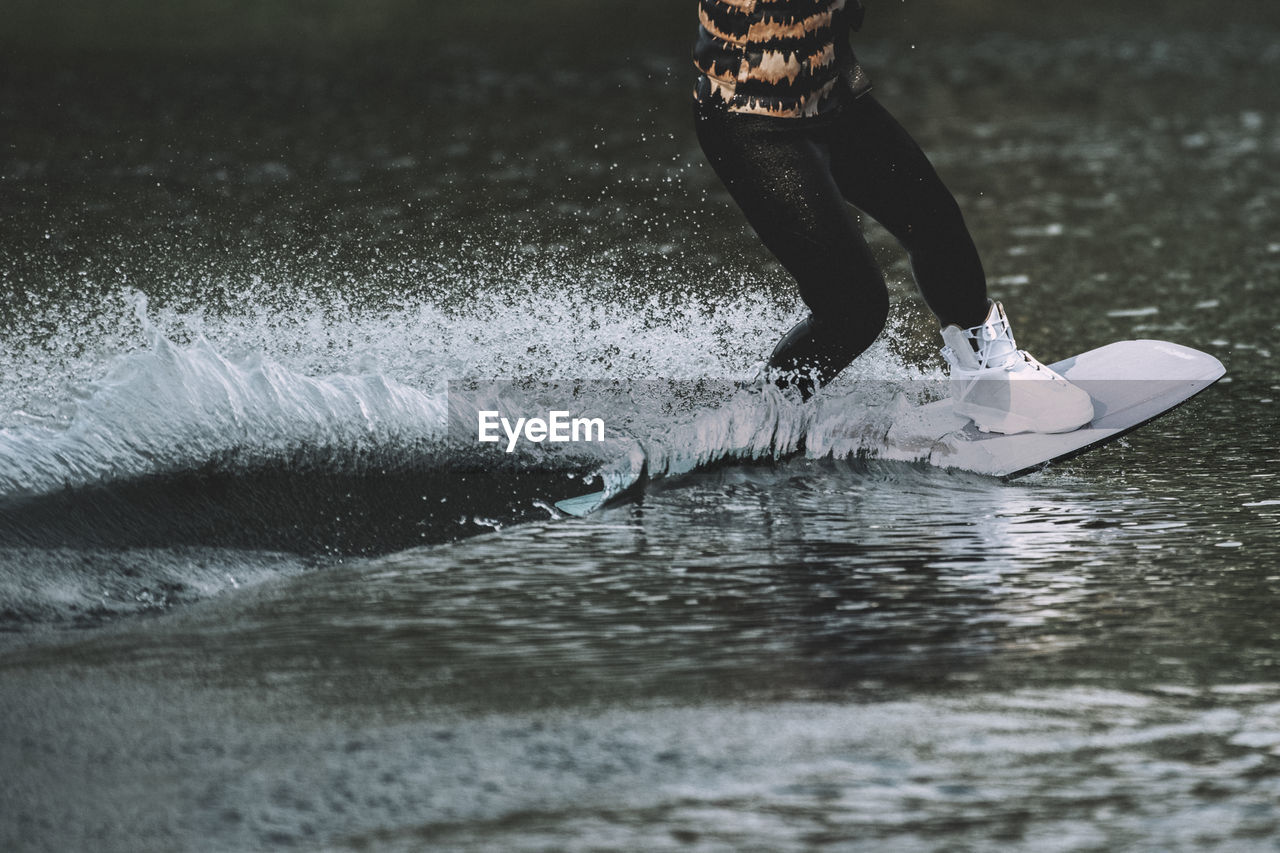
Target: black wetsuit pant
795	179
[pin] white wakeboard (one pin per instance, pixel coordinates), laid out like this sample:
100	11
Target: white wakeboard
1130	382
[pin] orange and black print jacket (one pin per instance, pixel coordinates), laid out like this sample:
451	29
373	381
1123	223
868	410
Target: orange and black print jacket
780	58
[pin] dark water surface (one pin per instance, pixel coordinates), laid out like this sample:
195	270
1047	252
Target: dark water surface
253	596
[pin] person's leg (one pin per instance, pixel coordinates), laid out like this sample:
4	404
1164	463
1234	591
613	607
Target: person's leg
882	171
1002	389
781	179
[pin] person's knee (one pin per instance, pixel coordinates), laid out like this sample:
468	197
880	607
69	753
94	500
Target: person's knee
857	322
873	314
842	334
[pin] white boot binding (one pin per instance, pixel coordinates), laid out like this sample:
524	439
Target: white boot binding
1004	389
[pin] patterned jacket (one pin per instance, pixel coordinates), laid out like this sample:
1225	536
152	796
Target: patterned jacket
781	58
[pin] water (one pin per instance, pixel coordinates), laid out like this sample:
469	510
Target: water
257	595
